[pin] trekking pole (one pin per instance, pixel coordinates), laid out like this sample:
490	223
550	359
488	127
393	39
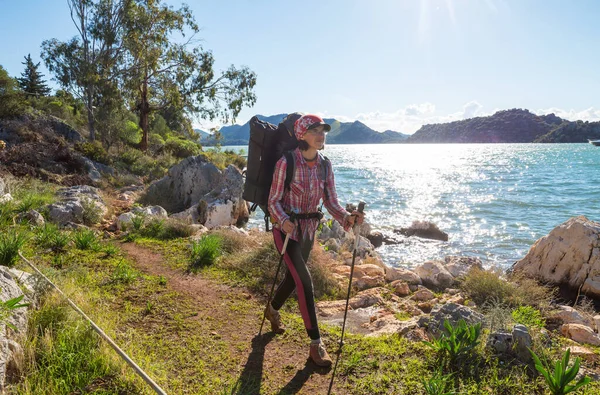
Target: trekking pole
285	243
361	207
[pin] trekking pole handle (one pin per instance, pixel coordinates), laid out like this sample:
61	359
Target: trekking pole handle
361	207
287	236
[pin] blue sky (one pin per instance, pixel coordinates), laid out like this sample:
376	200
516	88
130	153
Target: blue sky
392	64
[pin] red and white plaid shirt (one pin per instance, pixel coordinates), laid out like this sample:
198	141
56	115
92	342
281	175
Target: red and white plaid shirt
306	190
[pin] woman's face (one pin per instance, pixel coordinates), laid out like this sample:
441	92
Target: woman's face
315	137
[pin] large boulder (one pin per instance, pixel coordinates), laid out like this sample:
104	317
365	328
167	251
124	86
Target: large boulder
95	169
78	204
423	229
11	353
397	273
146	212
434	275
569	255
459	266
2	186
580	333
185	184
221	206
451	312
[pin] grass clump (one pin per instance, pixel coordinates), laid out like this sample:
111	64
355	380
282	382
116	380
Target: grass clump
124	273
205	252
11	242
163	229
85	239
64	355
49	236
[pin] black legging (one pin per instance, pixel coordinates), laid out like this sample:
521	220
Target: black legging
297	277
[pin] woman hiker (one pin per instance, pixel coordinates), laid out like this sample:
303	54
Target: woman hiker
303	196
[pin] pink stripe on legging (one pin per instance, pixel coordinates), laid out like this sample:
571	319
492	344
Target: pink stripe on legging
299	288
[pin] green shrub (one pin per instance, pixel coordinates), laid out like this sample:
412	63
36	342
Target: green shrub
558	381
225	158
528	316
182	148
155	142
130	156
92	213
131	134
10	243
205	252
484	285
94	151
85	239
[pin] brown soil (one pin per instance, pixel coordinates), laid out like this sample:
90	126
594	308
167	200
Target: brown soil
267	359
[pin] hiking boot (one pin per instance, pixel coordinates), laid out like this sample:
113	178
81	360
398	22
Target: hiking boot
275	319
319	355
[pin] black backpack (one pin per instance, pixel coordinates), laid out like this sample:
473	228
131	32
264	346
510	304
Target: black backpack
267	144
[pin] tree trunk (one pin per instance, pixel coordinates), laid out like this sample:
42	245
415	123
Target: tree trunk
144	115
90	113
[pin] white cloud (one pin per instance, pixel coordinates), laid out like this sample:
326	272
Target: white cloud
589	114
410	118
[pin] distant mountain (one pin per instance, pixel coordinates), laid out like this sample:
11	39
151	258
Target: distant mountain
203	135
572	132
341	133
509	126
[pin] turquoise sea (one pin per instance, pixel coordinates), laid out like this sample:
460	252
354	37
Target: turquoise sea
494	200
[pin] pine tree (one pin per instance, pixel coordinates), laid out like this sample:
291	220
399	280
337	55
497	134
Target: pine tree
31	81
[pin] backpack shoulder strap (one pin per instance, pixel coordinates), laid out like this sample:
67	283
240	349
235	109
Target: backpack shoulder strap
289	172
325	164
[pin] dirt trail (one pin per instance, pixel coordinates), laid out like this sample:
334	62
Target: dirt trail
275	362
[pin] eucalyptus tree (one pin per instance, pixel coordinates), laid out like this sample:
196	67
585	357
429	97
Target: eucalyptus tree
167	70
89	64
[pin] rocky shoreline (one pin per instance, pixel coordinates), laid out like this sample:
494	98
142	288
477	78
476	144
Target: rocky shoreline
387	300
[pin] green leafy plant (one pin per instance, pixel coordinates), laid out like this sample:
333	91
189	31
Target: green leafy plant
8	306
438	384
559	380
85	239
10	243
456	342
110	250
137	221
528	316
124	273
205	252
59	242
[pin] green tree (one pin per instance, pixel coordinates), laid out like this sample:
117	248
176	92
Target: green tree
88	65
12	101
31	81
162	72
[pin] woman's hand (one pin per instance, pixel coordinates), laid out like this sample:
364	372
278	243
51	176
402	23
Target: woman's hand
288	226
357	217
